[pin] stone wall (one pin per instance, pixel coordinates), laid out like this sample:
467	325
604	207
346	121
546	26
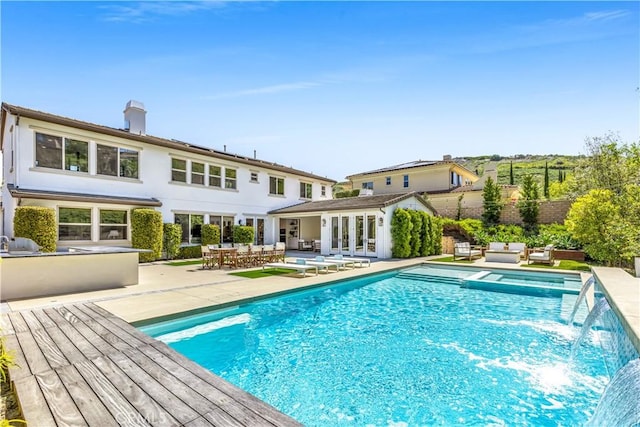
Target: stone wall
554	211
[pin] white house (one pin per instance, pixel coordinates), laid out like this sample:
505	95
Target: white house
93	176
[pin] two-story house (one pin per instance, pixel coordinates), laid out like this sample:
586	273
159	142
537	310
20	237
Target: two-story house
94	175
422	176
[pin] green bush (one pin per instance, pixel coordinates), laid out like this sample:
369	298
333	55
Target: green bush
172	238
416	229
426	235
401	233
436	235
243	234
38	224
347	193
210	234
146	233
188	252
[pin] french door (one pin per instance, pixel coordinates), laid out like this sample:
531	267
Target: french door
340	235
365	235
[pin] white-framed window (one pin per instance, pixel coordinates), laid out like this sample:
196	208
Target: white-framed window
388	180
306	190
178	170
367	185
117	161
197	173
254	177
276	185
230	178
57	152
405	181
323	190
113	224
215	176
191	226
74	223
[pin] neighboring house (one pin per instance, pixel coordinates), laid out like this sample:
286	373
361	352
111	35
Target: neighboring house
358	226
420	176
93	176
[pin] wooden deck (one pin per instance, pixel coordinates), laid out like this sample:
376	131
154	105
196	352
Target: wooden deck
81	365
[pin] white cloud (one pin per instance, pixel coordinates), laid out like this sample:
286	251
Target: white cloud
148	10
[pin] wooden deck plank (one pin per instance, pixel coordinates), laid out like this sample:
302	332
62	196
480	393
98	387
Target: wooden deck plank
117	404
172	403
114	340
49	349
86	348
35	359
61	405
31	320
66	314
70	351
108	325
20	367
18	323
35	409
45	320
121	324
5	325
147	408
90	335
246	399
218	398
92	409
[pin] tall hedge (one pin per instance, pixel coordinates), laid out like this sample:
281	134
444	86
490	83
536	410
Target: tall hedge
416	230
172	237
401	233
38	224
210	234
426	247
243	234
146	233
436	235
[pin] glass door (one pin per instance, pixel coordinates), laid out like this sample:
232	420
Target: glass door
360	237
365	235
340	235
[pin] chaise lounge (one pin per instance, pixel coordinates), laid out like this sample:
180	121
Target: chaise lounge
300	268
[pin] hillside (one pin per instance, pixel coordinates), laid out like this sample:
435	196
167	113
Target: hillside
522	164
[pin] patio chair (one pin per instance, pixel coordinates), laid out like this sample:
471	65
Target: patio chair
465	250
280	249
207	257
520	247
544	257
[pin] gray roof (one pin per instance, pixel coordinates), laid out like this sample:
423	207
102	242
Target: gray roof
80	197
352	203
153	140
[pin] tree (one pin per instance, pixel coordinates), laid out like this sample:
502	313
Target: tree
528	203
596	220
492	203
546	180
511	178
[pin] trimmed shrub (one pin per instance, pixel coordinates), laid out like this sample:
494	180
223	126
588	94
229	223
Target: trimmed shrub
210	234
436	235
401	233
347	193
172	238
416	230
426	248
188	252
243	234
146	233
38	224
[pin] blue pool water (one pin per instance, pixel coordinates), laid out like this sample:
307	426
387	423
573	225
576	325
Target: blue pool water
397	351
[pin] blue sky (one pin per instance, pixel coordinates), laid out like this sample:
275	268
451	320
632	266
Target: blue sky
335	88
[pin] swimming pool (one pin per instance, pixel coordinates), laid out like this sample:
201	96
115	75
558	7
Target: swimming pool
402	351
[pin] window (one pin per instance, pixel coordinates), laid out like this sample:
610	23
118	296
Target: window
388	180
305	190
191	227
113	224
51	150
225	223
254	177
323	190
456	180
76	155
74	224
405	181
215	176
178	170
197	173
276	185
367	185
229	178
114	161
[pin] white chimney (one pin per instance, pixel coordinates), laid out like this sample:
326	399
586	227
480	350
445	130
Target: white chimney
446	157
134	117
